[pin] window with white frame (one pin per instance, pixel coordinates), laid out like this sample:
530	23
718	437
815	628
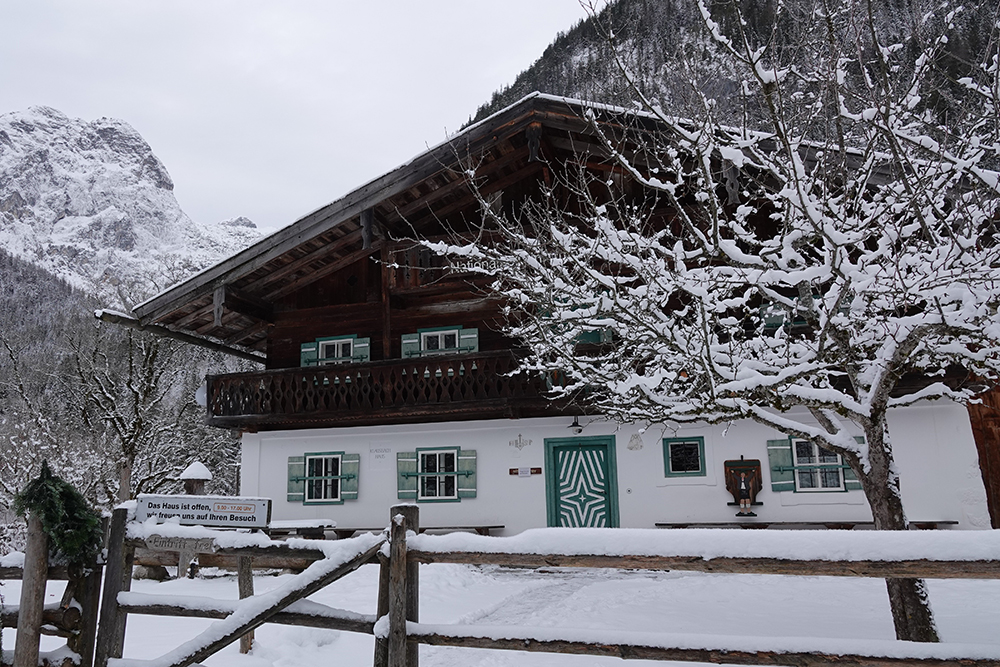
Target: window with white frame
336	351
816	468
439	341
323	478
438	474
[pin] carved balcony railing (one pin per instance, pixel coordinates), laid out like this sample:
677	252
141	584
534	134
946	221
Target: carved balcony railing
482	385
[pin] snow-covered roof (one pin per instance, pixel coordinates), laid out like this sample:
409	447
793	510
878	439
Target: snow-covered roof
400	201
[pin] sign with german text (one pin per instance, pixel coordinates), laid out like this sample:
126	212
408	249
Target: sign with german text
216	511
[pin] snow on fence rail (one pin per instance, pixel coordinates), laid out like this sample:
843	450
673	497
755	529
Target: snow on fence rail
883	554
285	604
398	632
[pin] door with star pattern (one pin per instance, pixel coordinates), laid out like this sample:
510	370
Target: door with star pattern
581	482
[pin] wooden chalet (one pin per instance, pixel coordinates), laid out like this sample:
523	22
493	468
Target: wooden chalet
385	376
349	270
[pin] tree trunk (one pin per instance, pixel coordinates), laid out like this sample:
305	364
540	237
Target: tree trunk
125	480
911	610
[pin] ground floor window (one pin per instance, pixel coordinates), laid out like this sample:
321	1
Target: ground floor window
438	474
816	468
323	478
684	457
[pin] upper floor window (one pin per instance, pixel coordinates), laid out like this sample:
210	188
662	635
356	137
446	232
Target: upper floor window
336	351
440	340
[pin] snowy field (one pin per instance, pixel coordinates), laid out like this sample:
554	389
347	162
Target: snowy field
674	602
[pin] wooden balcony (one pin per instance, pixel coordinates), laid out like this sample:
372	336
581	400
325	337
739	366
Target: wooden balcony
482	385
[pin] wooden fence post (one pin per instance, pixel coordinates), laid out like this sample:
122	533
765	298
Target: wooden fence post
117	578
382	643
36	568
403	591
244	577
412	514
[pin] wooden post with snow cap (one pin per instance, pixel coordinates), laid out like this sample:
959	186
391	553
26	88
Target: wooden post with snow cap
117	578
29	621
404	589
194	478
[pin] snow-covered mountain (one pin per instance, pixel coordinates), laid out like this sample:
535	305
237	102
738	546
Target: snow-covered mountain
92	204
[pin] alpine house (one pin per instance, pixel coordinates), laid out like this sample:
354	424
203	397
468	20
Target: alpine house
386	376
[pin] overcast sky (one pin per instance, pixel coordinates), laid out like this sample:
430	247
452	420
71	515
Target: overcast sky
269	109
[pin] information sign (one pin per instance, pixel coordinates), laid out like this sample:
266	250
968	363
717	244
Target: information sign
217	511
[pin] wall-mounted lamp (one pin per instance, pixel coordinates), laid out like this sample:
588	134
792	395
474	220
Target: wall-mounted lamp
575	426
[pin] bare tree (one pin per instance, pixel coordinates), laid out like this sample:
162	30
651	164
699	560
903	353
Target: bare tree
789	262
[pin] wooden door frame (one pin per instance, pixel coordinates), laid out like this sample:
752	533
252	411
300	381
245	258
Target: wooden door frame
552	487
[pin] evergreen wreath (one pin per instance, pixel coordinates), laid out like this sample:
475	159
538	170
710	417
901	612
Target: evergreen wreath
72	526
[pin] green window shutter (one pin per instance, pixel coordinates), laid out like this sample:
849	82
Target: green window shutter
779	457
296	483
308	353
362	350
411	346
468	340
851	482
406	486
466	469
350	464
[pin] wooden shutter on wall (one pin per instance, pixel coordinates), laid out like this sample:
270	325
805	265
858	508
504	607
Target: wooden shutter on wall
296	483
468	340
406	475
410	345
350	467
779	458
362	350
851	482
466	469
308	353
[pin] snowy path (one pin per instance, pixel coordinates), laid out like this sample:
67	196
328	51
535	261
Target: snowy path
588	599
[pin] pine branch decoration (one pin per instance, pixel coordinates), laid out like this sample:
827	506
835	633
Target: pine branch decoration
72	526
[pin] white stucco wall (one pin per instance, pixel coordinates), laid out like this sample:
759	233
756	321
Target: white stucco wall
933	445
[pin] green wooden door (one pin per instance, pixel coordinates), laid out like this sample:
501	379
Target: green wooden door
581	482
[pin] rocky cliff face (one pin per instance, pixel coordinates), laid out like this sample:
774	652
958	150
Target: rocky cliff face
92	204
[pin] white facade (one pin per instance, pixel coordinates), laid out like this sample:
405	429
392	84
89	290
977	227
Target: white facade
933	446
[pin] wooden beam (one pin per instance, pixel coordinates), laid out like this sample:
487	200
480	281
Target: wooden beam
317	274
130	322
329	619
238	301
720	655
902	569
314	256
203	646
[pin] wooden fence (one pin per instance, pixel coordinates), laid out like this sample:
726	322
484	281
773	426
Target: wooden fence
74	617
398	632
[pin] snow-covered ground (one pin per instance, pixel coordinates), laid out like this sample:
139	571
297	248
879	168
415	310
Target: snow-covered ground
674	602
